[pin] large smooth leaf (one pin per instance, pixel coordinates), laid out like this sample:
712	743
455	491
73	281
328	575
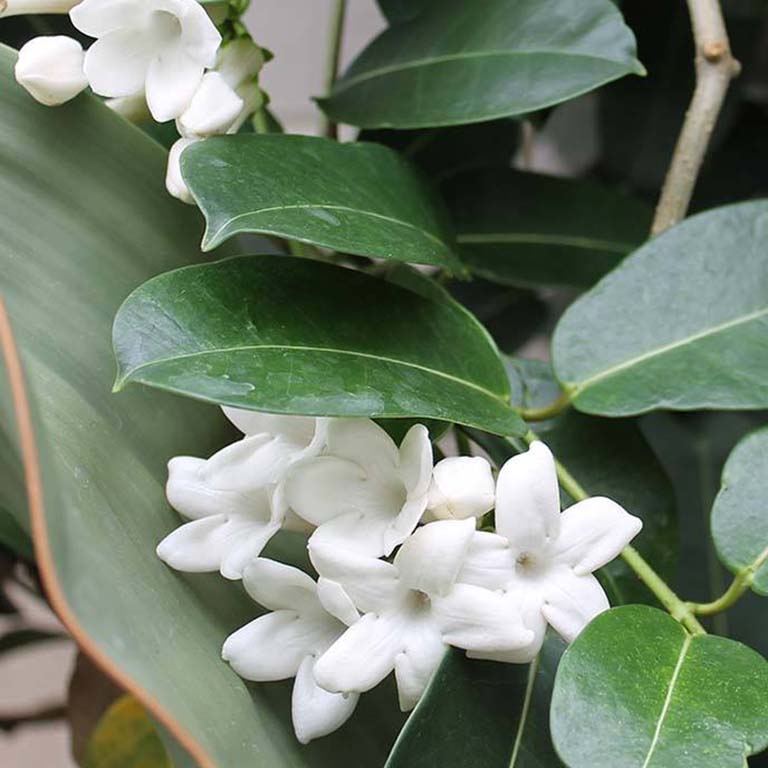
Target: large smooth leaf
363	199
85	218
608	458
681	324
636	690
739	519
459	62
289	335
483	714
526	229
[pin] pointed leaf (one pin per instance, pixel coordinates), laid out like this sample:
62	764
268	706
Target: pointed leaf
289	335
680	324
458	62
527	229
739	520
636	690
362	199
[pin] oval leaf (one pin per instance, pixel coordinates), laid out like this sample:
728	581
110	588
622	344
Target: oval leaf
483	714
681	324
739	520
363	199
636	690
526	229
459	62
288	335
66	262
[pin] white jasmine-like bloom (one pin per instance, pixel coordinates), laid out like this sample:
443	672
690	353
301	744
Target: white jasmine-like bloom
412	610
161	47
51	69
234	500
543	559
213	109
18	7
239	61
174	181
364	493
462	486
287	642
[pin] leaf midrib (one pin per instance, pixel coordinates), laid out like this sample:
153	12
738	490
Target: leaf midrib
131	374
347	83
534	238
668	699
214	238
577	389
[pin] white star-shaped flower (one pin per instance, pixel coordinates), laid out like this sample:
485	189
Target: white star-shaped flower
286	643
160	47
412	609
542	559
234	499
364	493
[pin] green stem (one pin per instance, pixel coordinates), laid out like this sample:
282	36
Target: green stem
259	120
462	443
333	53
548	411
741	583
677	608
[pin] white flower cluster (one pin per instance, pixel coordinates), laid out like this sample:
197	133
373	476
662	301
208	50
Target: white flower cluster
163	58
361	499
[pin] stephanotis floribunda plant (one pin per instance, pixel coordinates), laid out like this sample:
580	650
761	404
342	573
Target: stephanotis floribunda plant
472	384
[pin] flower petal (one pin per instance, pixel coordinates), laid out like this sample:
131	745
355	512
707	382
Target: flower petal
117	64
364	655
415	461
97	18
246	549
272	647
373	536
593	532
528	499
488	562
477	619
213	108
336	601
371	584
431	558
462	486
572	602
299	430
415	666
172	79
365	443
199	33
278	586
314	711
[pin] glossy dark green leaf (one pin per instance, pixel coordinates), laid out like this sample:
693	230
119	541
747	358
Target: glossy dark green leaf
483	714
609	458
459	62
66	262
289	335
396	11
362	199
680	324
526	229
636	690
739	519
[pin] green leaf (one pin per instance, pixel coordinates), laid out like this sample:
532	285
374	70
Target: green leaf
457	62
636	690
739	520
526	229
288	335
483	714
66	262
608	458
362	199
125	738
679	324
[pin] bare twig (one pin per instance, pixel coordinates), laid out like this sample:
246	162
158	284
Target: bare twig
715	68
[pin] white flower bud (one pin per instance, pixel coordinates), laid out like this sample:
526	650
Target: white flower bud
18	7
239	61
213	109
174	182
51	69
253	100
462	487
